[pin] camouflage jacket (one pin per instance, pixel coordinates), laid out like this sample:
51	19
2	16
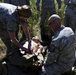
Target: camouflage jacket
8	16
70	4
47	3
61	53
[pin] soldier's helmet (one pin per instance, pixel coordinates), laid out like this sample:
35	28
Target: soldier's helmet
24	11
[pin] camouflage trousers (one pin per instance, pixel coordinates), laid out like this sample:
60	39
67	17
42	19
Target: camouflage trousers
69	22
70	17
44	29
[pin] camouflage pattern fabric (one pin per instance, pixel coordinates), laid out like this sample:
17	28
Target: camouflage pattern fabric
4	36
17	2
61	52
70	14
47	3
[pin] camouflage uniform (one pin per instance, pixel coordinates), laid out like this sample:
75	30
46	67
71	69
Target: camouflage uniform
19	3
9	21
70	14
48	7
61	52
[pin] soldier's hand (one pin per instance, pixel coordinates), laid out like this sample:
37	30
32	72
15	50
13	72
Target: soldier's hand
25	50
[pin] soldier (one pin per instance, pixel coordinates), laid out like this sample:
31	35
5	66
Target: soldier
48	6
70	14
10	17
19	3
61	52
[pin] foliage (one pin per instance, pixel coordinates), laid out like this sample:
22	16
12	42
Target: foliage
33	21
60	12
36	16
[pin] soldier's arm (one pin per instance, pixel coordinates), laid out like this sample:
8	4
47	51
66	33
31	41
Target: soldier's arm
26	31
27	34
16	42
